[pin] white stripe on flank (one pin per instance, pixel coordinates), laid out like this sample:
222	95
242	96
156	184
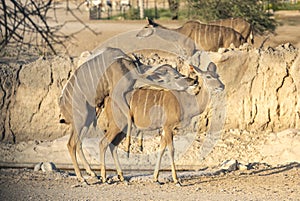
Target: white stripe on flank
219	38
76	84
98	68
104	67
86	86
155	98
67	97
138	101
92	79
130	103
160	103
197	33
66	85
145	103
91	84
205	35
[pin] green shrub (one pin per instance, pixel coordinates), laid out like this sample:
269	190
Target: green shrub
251	10
287	6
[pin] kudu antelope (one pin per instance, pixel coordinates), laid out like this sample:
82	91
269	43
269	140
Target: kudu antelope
238	24
176	110
107	72
207	37
86	90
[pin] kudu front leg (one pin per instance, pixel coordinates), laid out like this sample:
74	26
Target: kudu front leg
171	155
162	148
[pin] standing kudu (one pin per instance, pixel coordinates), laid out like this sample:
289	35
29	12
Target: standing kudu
176	110
238	24
86	90
207	37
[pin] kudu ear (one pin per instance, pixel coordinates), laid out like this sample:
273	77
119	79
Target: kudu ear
137	59
150	21
212	67
137	62
195	69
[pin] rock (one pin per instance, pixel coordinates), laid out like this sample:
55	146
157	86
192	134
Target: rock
270	50
281	147
241	166
259	166
48	167
231	46
229	165
37	167
221	50
45	167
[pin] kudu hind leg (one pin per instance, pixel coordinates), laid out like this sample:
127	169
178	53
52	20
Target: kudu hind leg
128	134
72	144
83	159
114	153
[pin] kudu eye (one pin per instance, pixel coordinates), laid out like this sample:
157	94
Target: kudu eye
196	81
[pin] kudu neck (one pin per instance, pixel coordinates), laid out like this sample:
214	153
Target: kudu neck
203	96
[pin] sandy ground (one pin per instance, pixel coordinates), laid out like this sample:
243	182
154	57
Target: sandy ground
260	183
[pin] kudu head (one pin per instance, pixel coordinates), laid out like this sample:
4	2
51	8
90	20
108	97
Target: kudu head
148	30
210	78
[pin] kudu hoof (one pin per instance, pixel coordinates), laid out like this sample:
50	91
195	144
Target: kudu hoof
158	183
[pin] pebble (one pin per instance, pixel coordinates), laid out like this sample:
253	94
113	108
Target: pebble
45	167
48	167
37	167
242	167
229	165
221	50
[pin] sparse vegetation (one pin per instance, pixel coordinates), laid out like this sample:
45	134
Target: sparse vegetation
133	14
251	10
285	6
255	12
26	26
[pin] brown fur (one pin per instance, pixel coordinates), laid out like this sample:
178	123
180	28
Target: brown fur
111	75
207	37
238	24
169	116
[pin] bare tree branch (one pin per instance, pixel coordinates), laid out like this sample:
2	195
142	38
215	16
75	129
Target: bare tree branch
26	23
